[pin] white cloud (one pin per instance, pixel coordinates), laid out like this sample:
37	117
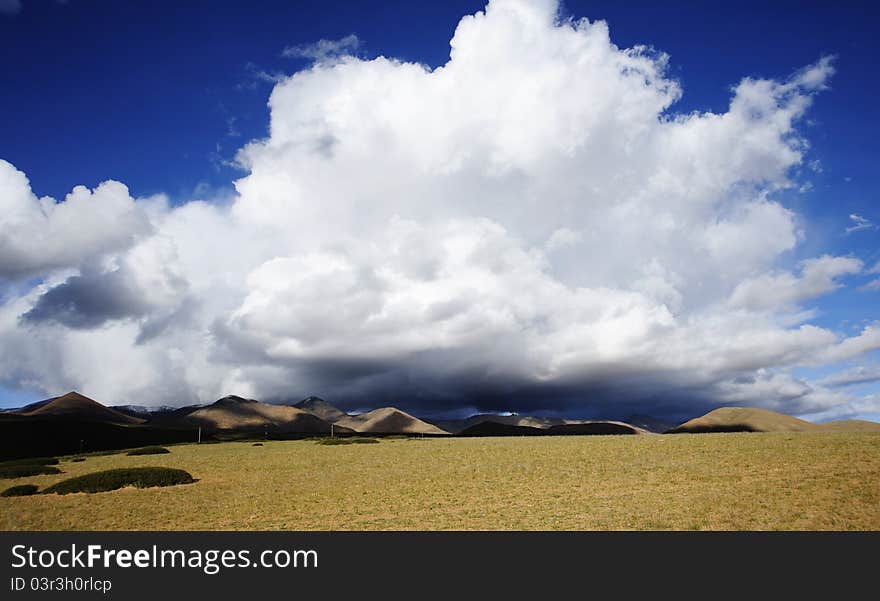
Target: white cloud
41	234
323	50
856	375
782	391
772	291
525	223
855	407
859	224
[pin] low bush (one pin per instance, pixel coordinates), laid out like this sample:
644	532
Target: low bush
257	444
141	477
22	490
77	459
30	461
332	441
148	451
354	440
22	471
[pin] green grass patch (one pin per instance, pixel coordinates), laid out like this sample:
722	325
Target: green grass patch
30	461
23	471
140	477
22	490
148	451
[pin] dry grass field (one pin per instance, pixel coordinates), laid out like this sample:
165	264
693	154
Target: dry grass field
807	481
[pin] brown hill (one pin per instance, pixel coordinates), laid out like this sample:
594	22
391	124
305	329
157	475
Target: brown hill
594	428
236	413
850	425
490	428
580	428
753	419
744	419
388	420
552	425
321	408
459	425
76	406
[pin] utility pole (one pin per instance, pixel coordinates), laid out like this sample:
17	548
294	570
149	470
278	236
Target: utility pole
200	436
331	430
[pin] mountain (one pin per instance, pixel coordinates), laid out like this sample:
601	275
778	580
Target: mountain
75	406
73	423
321	408
594	428
743	419
140	410
753	419
491	428
31	407
649	423
388	420
236	413
458	425
581	428
550	425
171	415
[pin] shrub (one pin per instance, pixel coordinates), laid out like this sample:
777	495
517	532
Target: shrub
333	441
30	461
148	451
336	441
77	459
141	477
22	471
22	490
257	444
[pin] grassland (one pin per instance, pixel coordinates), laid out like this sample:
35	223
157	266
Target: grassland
709	481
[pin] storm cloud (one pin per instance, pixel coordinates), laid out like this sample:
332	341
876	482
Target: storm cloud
531	226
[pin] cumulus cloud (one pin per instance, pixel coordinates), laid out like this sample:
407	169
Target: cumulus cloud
530	226
142	282
38	234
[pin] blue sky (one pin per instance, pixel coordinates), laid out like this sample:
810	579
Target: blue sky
161	95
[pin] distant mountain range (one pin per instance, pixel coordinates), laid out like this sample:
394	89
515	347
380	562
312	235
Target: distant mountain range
74	423
541	424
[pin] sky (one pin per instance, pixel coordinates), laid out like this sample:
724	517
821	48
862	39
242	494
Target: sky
590	209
